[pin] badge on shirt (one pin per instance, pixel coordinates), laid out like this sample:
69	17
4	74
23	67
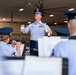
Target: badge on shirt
13	54
32	27
41	26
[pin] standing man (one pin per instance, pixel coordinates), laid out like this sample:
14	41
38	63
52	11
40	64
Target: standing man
68	49
37	30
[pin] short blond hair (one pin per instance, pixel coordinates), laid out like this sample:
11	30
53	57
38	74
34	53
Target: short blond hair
5	37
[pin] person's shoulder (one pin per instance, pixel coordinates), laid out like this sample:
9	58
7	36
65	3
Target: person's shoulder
1	42
44	22
63	44
31	23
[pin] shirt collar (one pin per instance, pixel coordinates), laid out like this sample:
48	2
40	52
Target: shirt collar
3	42
74	34
39	22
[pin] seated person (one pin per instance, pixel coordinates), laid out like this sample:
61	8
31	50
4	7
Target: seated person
6	49
67	49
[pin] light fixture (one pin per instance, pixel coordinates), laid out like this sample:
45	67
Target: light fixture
29	22
21	9
55	23
71	9
65	21
29	3
51	15
4	19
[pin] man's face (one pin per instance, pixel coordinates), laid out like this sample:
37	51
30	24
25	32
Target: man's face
37	16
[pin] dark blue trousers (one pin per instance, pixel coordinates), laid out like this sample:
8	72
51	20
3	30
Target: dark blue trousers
33	44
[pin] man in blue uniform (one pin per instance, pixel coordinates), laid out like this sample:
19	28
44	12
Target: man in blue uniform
37	30
68	49
7	50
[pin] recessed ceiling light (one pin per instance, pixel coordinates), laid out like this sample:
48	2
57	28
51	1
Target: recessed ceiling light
29	3
71	9
21	9
65	21
4	19
55	23
29	22
51	15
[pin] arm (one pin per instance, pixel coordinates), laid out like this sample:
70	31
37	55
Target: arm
47	29
18	44
13	43
25	30
50	31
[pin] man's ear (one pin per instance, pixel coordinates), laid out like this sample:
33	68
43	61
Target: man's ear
41	17
69	26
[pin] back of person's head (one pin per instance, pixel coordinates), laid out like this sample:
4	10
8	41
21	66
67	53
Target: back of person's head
71	21
72	26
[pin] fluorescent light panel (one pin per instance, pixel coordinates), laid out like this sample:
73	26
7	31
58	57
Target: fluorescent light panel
21	9
71	9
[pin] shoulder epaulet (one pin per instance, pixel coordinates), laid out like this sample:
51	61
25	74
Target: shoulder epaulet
31	22
44	22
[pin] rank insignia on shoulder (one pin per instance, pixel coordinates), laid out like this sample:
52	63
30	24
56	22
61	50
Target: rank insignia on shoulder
44	22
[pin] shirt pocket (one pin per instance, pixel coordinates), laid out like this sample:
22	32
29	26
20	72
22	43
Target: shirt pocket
41	30
32	29
41	27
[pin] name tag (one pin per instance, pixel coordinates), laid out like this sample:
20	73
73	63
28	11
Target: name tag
32	27
41	27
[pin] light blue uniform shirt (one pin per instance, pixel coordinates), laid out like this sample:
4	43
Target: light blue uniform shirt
36	30
7	50
67	50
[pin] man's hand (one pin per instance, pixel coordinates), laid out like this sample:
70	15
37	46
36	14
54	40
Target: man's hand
50	31
22	28
13	43
18	45
23	31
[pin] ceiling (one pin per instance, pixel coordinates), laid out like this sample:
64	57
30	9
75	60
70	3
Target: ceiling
7	7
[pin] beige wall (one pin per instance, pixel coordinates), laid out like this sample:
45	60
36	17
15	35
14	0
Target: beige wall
16	33
16	26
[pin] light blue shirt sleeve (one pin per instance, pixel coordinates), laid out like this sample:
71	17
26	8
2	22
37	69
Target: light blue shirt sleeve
7	50
27	29
48	28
